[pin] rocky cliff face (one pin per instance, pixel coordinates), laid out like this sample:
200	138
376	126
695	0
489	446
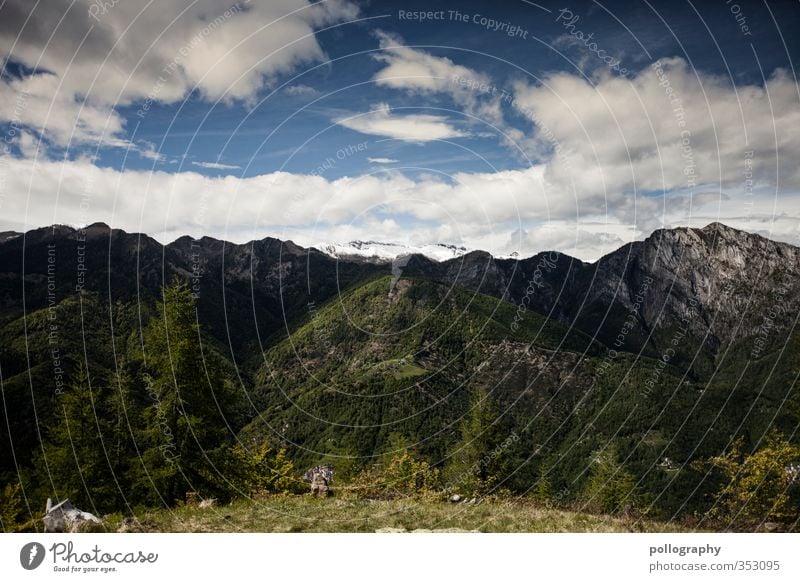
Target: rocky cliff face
685	290
690	289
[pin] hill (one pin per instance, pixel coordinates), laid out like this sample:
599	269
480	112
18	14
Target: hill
542	372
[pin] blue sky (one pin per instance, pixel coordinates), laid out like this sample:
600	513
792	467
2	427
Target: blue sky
510	126
344	83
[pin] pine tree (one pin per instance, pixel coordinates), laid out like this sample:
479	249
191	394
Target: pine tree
542	490
12	508
610	488
79	450
186	418
478	462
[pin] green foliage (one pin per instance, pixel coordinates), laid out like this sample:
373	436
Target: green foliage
259	471
758	486
82	454
542	490
151	411
185	424
480	460
402	474
610	488
12	508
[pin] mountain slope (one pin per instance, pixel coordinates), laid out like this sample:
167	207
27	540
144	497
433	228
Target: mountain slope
402	358
665	350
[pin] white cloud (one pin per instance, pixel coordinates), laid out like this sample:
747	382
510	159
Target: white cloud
39	103
148	151
418	72
625	135
95	56
616	134
216	166
301	91
502	212
607	148
414	127
588	242
29	145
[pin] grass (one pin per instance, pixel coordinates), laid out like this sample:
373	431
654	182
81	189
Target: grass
308	514
399	369
409	371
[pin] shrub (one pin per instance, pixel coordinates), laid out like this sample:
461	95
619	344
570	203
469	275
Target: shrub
403	474
261	470
759	485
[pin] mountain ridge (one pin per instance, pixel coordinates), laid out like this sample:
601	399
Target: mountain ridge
340	250
666	349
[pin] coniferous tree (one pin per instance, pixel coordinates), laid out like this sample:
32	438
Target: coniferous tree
12	508
610	488
479	460
79	451
189	400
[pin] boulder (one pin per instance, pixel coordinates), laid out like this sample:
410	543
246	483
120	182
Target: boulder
66	517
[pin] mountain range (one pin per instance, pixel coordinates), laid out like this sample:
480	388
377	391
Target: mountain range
669	348
383	252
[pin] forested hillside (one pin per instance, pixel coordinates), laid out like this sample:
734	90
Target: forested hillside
659	381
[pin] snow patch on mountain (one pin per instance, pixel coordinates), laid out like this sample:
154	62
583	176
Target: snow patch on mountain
383	252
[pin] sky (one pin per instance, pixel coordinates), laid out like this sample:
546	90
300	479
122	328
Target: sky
512	127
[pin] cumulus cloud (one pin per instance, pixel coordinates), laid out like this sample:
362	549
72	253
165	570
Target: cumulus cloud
502	212
585	241
417	71
89	57
29	145
615	157
413	69
669	128
413	127
38	102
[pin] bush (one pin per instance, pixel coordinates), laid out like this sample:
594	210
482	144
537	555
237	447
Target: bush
403	474
261	470
758	486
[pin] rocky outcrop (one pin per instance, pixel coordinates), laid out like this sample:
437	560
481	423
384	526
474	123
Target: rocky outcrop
65	517
691	290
